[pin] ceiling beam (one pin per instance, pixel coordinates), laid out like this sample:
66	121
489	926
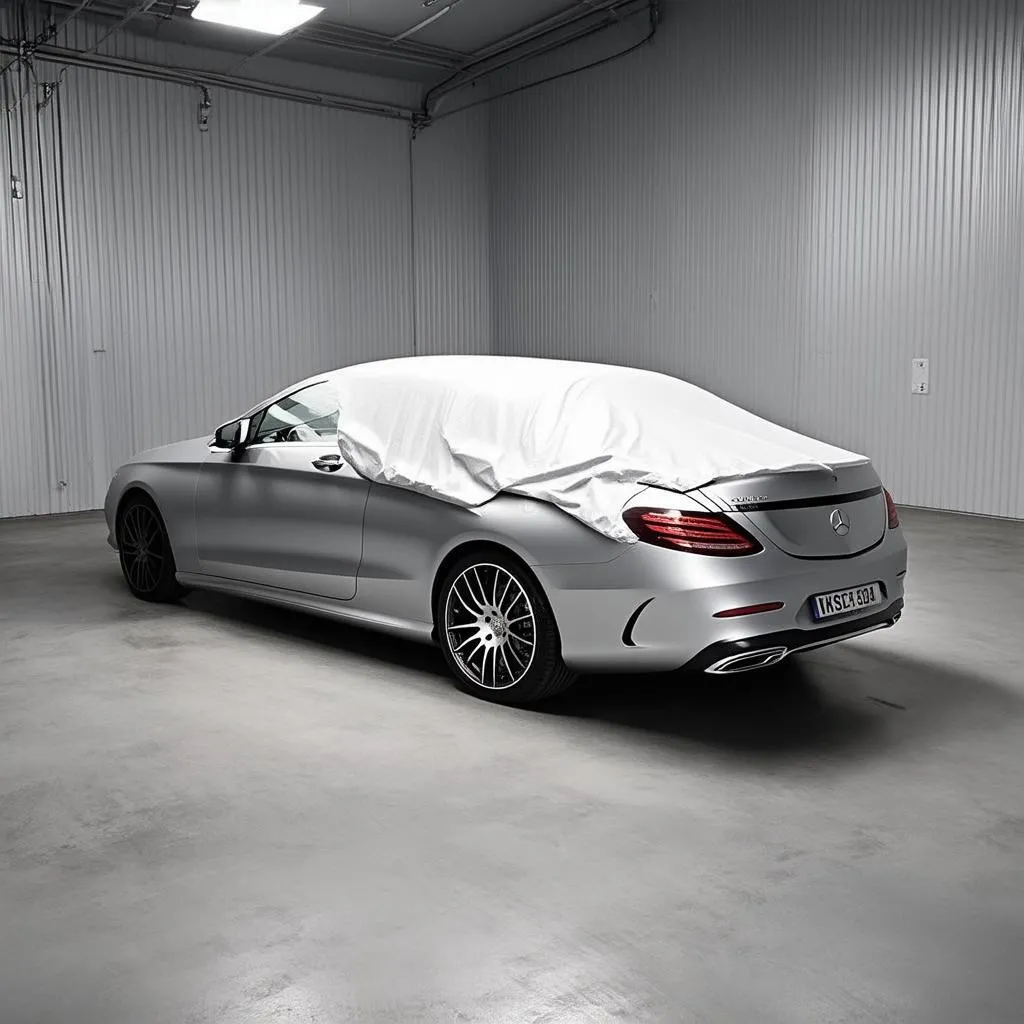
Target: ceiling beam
550	34
138	9
264	50
579	10
199	79
428	20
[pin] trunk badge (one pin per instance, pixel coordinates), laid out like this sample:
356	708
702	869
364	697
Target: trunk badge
840	522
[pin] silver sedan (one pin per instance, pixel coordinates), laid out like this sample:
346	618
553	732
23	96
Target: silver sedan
520	597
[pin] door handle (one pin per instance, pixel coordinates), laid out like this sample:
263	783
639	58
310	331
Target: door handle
328	463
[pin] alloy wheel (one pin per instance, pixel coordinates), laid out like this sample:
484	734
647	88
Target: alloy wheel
143	548
490	625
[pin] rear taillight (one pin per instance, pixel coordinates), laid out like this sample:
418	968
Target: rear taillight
701	533
891	511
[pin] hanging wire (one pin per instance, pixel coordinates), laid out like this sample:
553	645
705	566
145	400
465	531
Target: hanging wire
8	117
28	47
62	408
60	179
25	64
43	204
35	208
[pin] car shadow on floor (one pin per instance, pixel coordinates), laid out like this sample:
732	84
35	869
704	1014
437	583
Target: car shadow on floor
780	712
845	702
324	632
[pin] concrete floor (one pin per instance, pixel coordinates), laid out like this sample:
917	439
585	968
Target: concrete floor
225	813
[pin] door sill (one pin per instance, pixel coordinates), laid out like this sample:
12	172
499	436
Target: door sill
332	608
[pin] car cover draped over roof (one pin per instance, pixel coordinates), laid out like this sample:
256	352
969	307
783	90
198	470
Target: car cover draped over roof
582	436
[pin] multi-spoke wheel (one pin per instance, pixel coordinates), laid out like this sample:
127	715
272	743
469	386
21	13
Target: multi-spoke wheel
144	550
498	633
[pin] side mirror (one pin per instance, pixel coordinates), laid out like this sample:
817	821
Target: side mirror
231	436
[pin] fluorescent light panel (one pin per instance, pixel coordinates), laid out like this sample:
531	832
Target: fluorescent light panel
271	17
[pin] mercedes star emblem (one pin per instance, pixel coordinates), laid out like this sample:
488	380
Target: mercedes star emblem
840	522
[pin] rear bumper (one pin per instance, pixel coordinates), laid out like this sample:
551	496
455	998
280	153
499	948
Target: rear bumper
732	656
653	610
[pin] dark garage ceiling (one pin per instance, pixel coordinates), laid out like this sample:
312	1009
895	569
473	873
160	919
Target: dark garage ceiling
469	26
371	36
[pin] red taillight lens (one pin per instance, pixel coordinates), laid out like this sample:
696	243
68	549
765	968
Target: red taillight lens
701	533
891	511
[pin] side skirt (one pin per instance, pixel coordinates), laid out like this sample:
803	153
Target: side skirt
422	632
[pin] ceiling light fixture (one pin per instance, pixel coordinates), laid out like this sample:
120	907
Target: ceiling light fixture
271	17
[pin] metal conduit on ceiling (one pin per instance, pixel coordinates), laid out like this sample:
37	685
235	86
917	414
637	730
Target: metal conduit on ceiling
582	19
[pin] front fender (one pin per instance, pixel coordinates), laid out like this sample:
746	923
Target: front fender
171	487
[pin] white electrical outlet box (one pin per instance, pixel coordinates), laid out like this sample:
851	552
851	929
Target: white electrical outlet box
919	376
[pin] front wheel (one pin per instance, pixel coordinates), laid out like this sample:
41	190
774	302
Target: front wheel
144	550
498	633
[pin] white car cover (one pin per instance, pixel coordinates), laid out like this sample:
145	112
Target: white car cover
582	436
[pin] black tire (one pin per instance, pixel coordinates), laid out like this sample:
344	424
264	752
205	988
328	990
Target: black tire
490	606
144	551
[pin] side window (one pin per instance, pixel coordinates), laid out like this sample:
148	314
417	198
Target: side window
309	415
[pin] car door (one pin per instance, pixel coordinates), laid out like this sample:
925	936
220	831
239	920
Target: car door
284	510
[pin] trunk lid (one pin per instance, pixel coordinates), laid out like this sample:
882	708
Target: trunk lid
809	514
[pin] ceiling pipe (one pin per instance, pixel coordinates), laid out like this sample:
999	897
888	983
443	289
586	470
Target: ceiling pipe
429	20
337	38
654	17
562	31
206	79
582	25
46	34
580	10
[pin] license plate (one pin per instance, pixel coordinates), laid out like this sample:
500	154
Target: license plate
843	602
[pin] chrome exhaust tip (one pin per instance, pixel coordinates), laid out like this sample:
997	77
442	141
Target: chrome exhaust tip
747	662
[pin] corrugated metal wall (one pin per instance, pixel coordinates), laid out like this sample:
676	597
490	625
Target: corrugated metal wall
785	202
451	193
213	269
782	200
25	327
155	279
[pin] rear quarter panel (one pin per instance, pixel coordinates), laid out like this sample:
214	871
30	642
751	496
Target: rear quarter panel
407	536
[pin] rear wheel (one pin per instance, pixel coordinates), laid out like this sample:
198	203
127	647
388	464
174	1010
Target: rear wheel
498	633
144	550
